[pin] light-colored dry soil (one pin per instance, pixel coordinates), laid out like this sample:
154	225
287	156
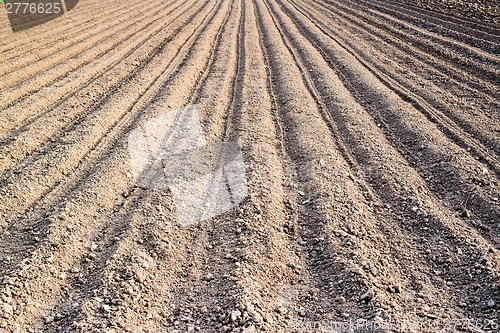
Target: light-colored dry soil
370	136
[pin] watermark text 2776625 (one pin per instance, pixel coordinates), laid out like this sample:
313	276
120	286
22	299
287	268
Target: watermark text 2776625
33	8
26	14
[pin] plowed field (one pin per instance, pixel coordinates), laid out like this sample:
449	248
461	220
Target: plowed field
370	136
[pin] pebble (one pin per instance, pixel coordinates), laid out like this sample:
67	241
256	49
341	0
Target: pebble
341	299
75	270
106	307
257	317
249	329
140	277
374	270
423	213
490	303
282	309
426	308
367	296
235	315
8	309
342	233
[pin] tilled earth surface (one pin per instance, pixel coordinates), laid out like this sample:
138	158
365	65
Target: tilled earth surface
370	136
482	10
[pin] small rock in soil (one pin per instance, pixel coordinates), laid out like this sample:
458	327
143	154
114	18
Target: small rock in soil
257	317
249	329
367	296
465	213
235	315
8	309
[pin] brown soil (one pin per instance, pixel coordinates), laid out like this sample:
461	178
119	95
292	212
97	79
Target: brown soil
370	135
487	11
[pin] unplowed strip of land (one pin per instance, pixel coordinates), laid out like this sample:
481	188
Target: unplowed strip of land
370	135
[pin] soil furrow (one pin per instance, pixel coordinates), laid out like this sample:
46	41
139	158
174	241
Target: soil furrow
149	231
483	128
21	42
70	53
489	30
374	151
474	13
335	274
251	166
72	109
52	46
464	172
35	86
152	89
434	115
458	32
81	75
445	58
202	285
97	185
130	96
326	103
437	38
